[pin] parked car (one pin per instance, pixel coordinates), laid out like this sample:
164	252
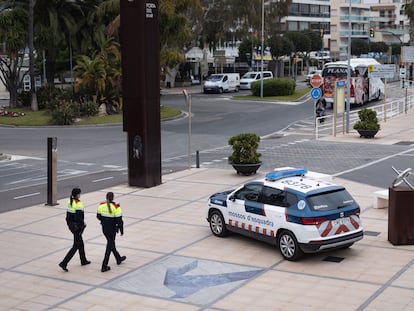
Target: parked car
252	76
294	209
194	80
311	73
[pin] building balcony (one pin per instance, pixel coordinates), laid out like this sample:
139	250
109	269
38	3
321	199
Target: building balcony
355	33
380	19
354	18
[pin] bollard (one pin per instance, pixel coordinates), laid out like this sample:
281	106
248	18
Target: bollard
197	159
51	171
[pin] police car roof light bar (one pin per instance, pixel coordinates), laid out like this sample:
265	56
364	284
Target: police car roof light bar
273	176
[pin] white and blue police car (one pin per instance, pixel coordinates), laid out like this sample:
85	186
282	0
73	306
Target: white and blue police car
291	209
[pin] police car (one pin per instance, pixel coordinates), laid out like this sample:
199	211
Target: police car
291	208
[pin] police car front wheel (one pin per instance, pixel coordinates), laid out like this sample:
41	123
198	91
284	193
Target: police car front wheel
288	246
217	224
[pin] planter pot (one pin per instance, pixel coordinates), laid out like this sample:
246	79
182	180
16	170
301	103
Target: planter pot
246	169
367	133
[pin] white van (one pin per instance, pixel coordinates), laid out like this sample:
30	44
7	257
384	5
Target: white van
251	76
222	82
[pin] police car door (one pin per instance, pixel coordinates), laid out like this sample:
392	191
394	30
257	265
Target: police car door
243	204
274	205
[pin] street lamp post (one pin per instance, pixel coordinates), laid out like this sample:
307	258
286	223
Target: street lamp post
348	73
262	52
251	51
402	64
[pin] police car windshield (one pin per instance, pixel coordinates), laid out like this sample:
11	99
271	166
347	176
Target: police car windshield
328	201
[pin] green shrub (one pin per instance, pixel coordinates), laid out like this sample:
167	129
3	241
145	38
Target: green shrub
47	94
244	149
88	108
367	120
274	87
24	98
64	113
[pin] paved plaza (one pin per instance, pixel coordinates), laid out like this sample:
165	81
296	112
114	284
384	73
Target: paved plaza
175	263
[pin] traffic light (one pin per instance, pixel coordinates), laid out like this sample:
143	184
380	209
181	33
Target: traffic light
371	32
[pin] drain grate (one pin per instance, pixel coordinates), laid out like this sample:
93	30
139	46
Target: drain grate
333	259
371	233
404	143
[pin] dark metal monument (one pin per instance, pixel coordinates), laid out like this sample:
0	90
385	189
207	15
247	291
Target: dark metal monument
140	48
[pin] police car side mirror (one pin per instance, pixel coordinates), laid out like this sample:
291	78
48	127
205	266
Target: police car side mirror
232	198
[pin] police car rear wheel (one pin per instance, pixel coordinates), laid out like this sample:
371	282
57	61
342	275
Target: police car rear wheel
217	225
288	246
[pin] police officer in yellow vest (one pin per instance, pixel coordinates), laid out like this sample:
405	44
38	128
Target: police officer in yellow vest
76	224
110	215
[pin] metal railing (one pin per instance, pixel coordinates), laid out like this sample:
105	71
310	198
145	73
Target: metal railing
385	112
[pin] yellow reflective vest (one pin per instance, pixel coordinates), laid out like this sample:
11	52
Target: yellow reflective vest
110	215
75	215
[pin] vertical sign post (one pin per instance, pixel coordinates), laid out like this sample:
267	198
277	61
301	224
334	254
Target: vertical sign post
188	102
140	47
339	105
51	171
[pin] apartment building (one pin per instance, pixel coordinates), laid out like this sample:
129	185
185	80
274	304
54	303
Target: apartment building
339	19
389	22
308	14
355	18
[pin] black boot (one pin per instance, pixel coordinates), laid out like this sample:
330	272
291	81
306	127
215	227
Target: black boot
105	268
63	266
120	260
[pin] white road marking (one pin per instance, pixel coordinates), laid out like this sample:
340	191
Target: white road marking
102	179
26	196
373	162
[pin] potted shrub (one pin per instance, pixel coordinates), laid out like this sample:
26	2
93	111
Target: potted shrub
245	159
368	124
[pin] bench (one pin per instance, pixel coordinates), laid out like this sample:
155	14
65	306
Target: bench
381	198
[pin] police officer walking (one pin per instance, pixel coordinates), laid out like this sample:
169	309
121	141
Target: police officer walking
76	224
110	215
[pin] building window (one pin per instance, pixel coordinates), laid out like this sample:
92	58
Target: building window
292	26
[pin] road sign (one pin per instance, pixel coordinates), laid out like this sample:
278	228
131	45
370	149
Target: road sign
403	73
408	53
340	83
316	93
316	80
381	71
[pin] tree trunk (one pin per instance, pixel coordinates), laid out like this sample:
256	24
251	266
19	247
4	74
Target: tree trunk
13	98
33	99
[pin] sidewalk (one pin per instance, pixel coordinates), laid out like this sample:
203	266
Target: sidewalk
396	130
175	263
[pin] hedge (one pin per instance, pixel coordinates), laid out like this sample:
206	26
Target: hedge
274	87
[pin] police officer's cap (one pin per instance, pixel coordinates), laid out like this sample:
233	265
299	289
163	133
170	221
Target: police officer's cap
75	192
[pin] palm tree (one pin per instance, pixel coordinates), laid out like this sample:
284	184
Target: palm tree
101	75
61	19
92	75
